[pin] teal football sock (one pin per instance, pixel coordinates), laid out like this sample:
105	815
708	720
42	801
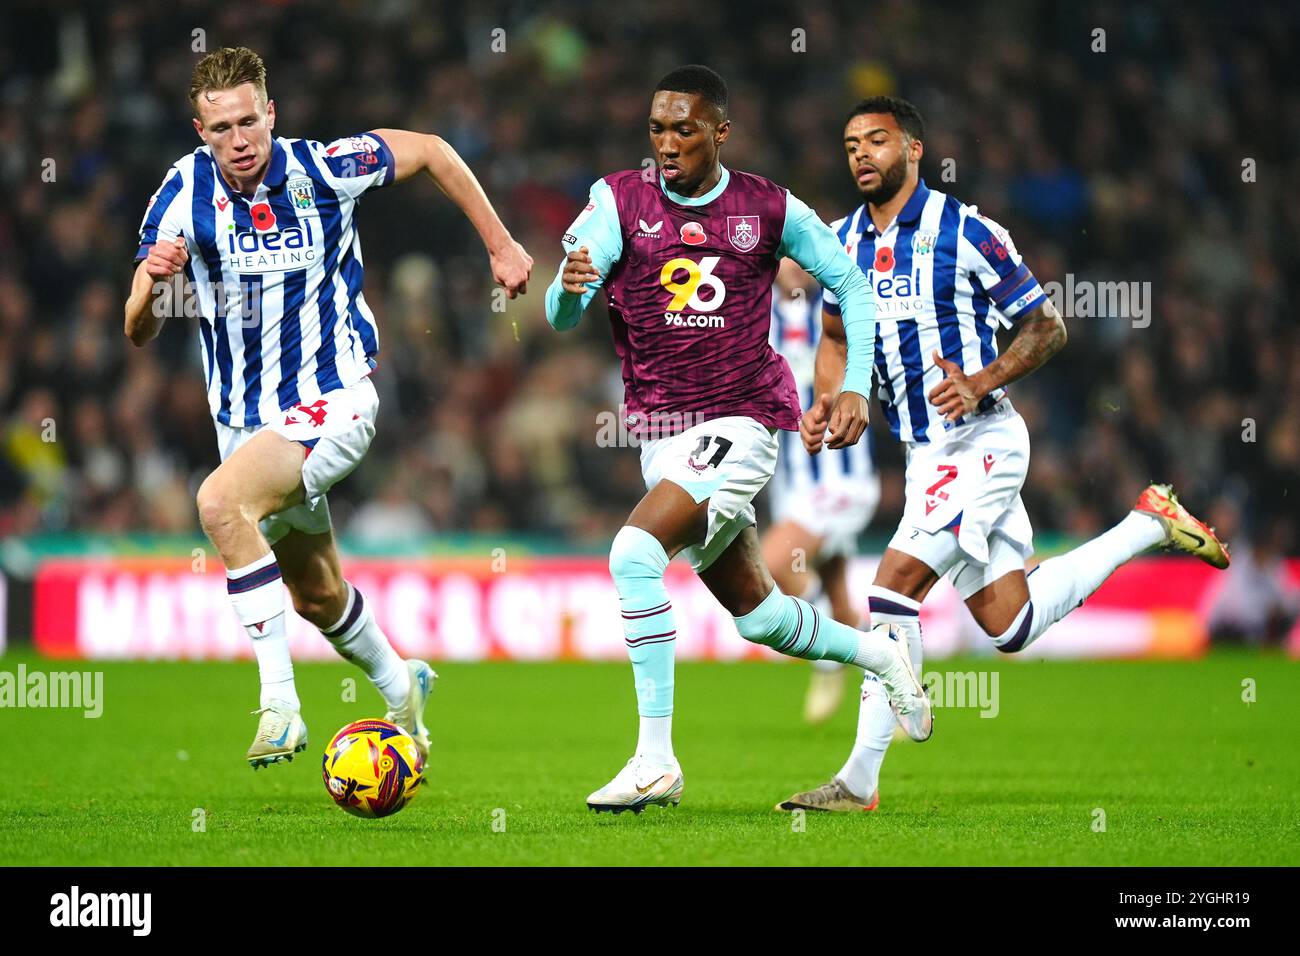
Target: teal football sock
637	562
794	627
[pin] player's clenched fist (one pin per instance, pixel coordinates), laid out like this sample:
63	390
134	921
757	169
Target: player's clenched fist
578	271
165	259
812	426
511	267
848	420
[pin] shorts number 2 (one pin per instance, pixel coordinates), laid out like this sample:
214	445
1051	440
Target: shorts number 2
949	473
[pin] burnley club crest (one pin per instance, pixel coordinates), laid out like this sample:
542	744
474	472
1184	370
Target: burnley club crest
742	232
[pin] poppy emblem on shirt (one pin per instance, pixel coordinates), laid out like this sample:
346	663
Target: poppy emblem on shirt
885	259
692	233
263	217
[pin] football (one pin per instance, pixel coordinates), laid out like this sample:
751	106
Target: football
371	768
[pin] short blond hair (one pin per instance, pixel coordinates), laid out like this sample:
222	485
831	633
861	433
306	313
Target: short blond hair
225	69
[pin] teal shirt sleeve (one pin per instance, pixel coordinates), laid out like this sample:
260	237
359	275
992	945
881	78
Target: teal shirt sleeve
811	243
597	228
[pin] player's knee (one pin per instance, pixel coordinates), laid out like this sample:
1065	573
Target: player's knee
1011	637
320	602
741	598
218	510
787	579
636	553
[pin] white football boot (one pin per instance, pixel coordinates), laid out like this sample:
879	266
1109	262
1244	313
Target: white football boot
640	784
281	733
410	716
907	697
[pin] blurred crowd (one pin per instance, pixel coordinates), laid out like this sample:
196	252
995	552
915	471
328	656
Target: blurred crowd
1117	142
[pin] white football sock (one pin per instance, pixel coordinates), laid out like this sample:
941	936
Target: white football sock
876	721
257	594
1060	584
358	639
655	738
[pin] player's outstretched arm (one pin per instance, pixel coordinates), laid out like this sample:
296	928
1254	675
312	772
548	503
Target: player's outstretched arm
425	152
143	320
1039	335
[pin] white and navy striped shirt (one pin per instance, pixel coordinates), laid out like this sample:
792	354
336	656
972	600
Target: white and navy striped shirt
277	275
796	330
943	277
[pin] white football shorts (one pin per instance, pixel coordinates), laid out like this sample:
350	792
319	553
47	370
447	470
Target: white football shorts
835	506
727	461
336	429
963	515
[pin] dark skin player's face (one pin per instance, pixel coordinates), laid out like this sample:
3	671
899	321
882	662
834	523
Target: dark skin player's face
879	154
686	136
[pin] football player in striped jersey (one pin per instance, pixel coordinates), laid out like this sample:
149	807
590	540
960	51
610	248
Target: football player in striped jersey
945	277
261	232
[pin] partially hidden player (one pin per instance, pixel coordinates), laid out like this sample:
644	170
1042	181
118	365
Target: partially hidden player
820	503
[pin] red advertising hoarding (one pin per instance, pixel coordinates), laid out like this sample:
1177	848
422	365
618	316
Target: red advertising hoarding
556	608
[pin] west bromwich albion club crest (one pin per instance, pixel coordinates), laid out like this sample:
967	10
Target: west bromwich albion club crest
742	232
301	192
923	243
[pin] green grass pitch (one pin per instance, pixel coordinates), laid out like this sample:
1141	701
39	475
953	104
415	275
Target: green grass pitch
1185	772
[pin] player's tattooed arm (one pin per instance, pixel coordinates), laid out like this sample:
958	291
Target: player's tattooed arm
1039	336
425	152
152	280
